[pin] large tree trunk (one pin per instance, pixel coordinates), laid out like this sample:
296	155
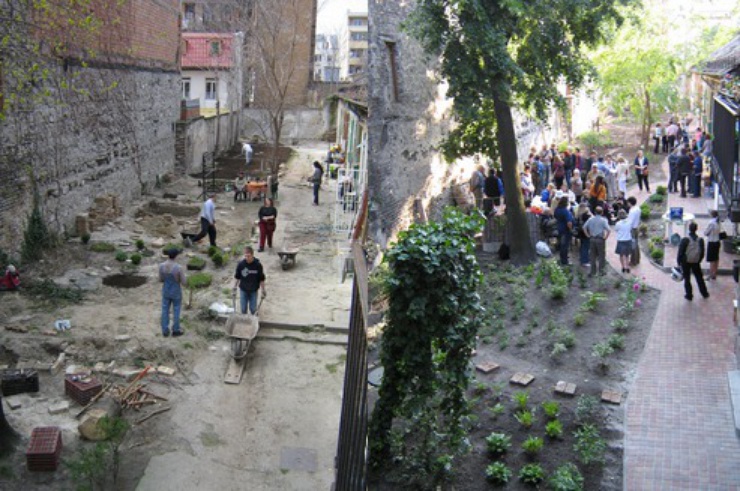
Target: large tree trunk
647	124
522	249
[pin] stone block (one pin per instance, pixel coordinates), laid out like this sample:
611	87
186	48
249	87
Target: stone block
523	379
122	337
82	224
13	403
565	388
165	370
59	407
611	396
487	367
89	428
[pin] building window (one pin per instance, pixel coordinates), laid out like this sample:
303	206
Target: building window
359	36
189	10
317	58
394	71
185	84
211	89
215	48
358	22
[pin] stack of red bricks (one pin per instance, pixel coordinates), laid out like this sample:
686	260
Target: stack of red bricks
81	388
44	449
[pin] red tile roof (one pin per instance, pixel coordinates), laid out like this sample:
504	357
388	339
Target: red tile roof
196	52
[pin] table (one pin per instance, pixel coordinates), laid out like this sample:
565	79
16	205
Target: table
256	189
668	224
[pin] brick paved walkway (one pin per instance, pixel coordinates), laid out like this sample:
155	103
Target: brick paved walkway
679	432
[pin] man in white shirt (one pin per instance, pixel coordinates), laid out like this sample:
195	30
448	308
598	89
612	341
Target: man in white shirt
634	220
248	152
671	133
208	220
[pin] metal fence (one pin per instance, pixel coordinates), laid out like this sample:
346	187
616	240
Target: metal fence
351	460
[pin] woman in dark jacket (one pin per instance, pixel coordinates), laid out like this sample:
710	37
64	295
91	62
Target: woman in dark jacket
267	223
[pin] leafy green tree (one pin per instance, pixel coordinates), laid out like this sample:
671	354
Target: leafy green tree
640	69
502	54
427	345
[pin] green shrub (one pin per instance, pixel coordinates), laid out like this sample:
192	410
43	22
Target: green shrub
532	445
212	250
551	408
36	237
532	474
644	211
498	443
497	410
657	253
616	341
136	258
102	247
589	446
558	349
554	429
592	301
498	473
196	263
525	418
566	478
121	256
595	139
85	238
661	190
139	244
587	409
602	350
521	399
579	320
657	198
218	259
199	280
620	325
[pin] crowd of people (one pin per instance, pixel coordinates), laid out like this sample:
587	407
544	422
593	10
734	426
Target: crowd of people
565	190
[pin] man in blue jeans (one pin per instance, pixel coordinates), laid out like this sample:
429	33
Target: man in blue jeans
172	277
250	277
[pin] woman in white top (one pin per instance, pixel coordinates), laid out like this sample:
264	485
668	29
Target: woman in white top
610	178
623	172
623	229
712	234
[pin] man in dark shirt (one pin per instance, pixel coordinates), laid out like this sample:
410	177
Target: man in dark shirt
684	170
249	276
493	187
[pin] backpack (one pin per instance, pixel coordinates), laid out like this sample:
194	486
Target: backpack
693	251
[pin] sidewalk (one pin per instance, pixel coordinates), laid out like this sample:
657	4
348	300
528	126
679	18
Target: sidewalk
679	430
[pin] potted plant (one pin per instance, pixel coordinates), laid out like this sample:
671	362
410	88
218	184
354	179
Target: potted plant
730	245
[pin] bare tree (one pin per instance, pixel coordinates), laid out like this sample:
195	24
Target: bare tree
282	53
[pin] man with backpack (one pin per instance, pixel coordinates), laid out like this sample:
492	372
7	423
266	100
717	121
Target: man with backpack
690	255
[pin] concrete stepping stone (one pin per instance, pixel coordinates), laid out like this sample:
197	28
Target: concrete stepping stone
487	367
523	379
565	388
611	396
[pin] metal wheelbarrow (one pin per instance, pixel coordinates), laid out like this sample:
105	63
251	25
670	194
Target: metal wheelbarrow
241	330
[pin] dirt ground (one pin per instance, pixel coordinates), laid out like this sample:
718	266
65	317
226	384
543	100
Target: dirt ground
275	430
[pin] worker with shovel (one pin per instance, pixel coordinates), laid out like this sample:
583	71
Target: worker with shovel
250	277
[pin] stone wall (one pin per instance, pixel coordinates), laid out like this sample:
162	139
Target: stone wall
300	124
409	115
115	138
198	136
405	124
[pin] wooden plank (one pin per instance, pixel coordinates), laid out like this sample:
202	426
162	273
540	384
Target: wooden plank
234	371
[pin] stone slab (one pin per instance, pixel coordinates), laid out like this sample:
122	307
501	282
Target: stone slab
611	396
122	337
565	388
521	378
13	403
487	366
59	407
165	370
298	459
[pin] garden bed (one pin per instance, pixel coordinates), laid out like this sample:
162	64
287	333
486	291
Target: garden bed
557	325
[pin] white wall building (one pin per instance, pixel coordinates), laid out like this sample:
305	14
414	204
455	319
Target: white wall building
327	58
354	45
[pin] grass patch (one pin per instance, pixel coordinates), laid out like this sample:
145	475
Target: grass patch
102	247
199	280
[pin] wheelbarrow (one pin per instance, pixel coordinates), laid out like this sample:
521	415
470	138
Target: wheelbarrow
287	258
241	329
